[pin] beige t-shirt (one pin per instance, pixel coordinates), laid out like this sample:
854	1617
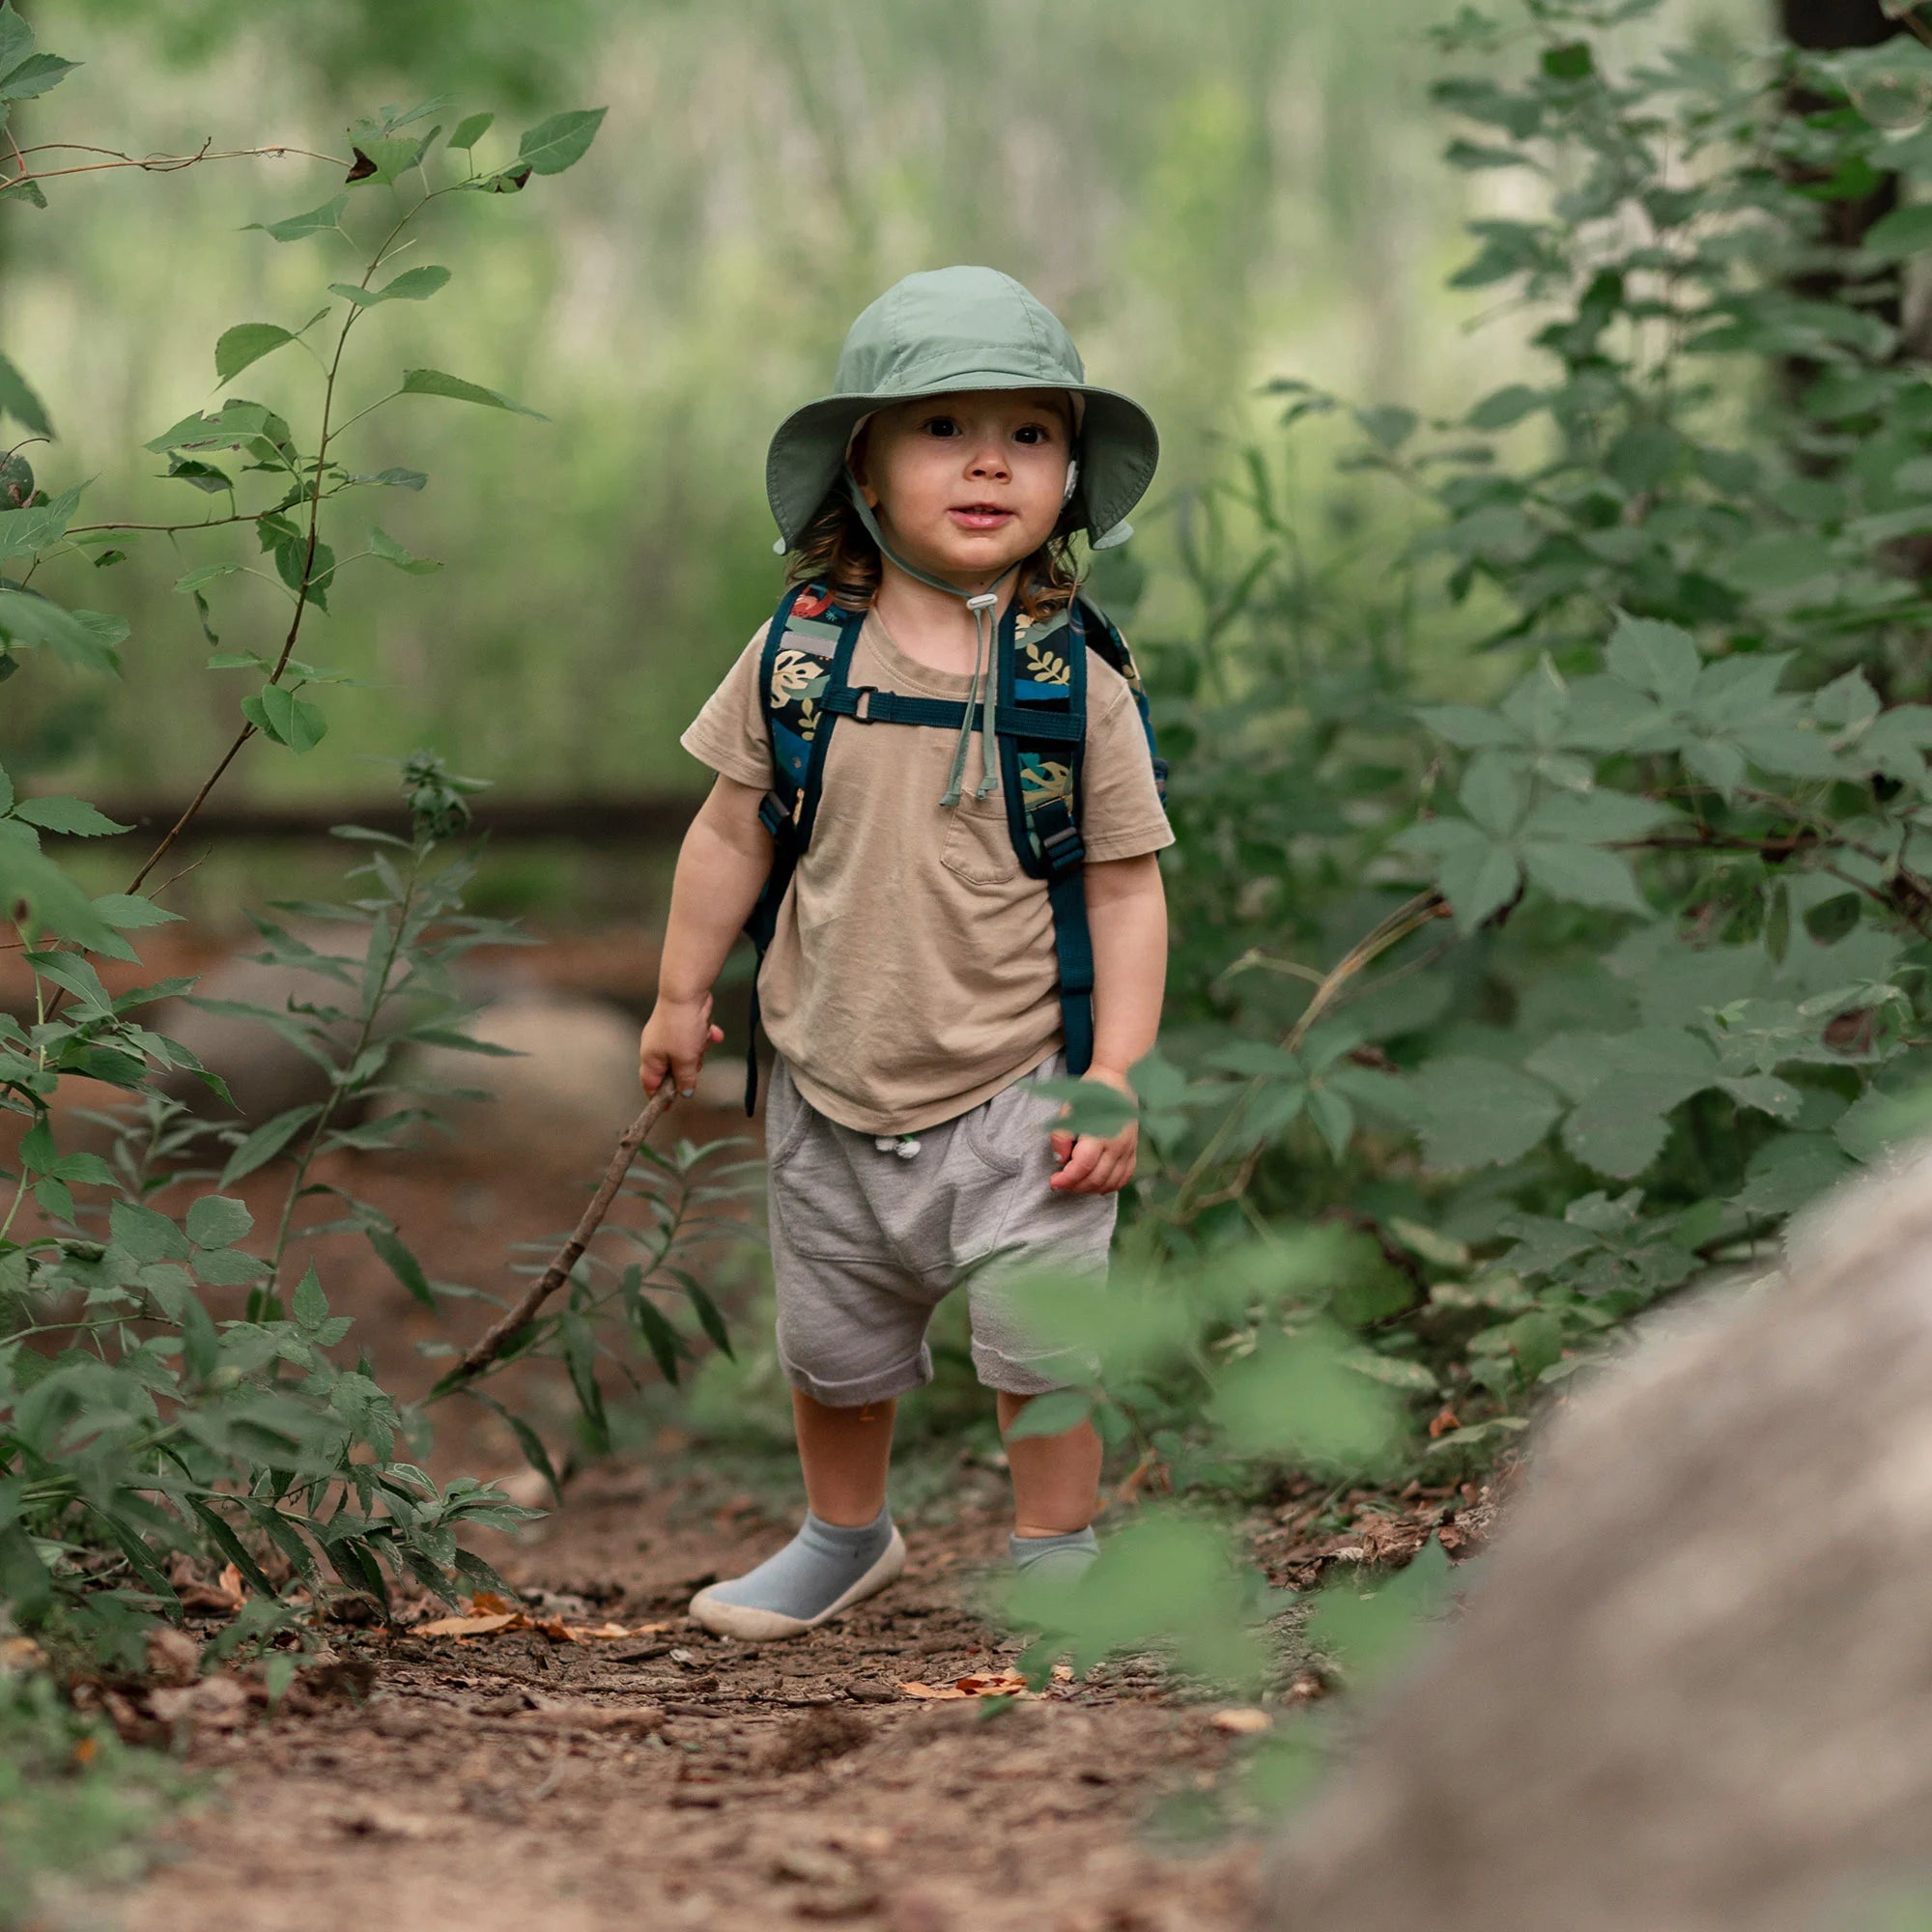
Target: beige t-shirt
912	974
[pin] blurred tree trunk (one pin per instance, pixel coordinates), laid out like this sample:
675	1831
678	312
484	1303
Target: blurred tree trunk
1826	26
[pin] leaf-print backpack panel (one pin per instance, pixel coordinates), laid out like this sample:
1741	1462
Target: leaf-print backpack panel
1041	726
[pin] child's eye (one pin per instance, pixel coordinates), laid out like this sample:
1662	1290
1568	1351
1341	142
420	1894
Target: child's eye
941	426
1035	433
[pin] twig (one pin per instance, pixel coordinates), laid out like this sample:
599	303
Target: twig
485	1351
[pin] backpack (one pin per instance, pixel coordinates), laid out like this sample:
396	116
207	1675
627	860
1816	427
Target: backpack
1040	729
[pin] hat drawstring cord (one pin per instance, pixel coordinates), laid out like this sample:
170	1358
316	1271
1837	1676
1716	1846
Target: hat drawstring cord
985	648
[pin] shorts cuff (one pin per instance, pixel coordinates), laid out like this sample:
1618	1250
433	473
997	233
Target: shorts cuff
1011	1377
883	1386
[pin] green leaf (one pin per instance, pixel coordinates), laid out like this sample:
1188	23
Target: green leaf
580	1355
658	1333
1051	1414
287	719
18	401
25	532
556	144
147	1235
382	545
470	130
1464	725
1479	1113
402	1264
16	38
411	285
217	1221
34	76
83	638
1905	230
1582	875
383	156
1093	1106
1491	794
204	574
246	343
232	1547
310	1306
1505	406
528	1440
1658	658
435	383
42	899
229	1268
1478	880
298	227
71	815
266	1141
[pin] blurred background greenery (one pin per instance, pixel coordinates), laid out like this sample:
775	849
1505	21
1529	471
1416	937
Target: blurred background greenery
1210	196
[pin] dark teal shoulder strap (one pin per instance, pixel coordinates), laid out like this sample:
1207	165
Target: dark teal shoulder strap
806	656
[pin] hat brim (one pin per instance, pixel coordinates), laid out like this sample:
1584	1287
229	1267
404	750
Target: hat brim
1119	449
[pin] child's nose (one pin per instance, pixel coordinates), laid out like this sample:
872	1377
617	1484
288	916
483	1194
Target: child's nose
988	459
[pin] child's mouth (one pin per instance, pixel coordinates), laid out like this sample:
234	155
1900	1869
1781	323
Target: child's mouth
979	516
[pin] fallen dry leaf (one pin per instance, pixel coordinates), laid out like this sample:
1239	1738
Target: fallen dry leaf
468	1626
1063	1673
1442	1422
999	1684
230	1583
488	1604
19	1652
1243	1722
996	1684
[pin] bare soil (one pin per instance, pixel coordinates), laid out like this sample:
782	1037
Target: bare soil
679	1780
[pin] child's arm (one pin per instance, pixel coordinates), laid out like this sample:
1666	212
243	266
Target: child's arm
722	868
1127	916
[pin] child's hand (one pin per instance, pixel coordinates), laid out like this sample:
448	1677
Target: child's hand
1096	1163
673	1041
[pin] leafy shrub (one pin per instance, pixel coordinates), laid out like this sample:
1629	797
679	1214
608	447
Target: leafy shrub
136	1418
1554	975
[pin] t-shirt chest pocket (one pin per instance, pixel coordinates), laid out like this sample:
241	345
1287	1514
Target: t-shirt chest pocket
976	844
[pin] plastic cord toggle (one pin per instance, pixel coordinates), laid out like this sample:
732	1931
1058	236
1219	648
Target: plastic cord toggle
903	1145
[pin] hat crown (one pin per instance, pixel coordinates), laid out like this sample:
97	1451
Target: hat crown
966	321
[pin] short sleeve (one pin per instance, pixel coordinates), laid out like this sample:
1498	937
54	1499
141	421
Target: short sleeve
1120	812
729	734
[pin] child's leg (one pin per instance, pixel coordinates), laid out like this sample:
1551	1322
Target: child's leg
1055	1478
844	1453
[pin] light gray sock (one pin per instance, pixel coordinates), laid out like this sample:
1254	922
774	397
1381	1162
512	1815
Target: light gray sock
814	1569
1065	1555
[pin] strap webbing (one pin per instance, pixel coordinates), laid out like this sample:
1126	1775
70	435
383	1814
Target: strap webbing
1074	948
892	707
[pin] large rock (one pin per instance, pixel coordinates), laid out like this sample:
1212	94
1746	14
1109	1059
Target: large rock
561	1106
1694	1691
266	1073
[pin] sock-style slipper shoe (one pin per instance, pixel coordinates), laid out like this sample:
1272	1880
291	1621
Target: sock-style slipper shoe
755	1625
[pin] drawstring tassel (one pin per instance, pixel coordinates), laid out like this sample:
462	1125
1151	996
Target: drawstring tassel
981	608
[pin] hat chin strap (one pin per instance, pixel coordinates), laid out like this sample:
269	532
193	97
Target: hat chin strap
982	604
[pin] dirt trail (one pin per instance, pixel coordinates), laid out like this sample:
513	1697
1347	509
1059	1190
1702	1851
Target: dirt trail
513	1781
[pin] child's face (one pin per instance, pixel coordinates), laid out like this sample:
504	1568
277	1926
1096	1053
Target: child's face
969	483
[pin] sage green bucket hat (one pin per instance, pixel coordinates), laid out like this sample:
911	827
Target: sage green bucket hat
944	329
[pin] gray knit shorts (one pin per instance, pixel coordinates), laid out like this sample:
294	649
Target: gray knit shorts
866	1244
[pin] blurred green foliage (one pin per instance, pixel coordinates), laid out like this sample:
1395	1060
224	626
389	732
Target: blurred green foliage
1207	195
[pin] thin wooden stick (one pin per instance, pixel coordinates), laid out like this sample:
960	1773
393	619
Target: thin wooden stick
485	1351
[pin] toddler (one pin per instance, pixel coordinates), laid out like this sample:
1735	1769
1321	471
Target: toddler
936	808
